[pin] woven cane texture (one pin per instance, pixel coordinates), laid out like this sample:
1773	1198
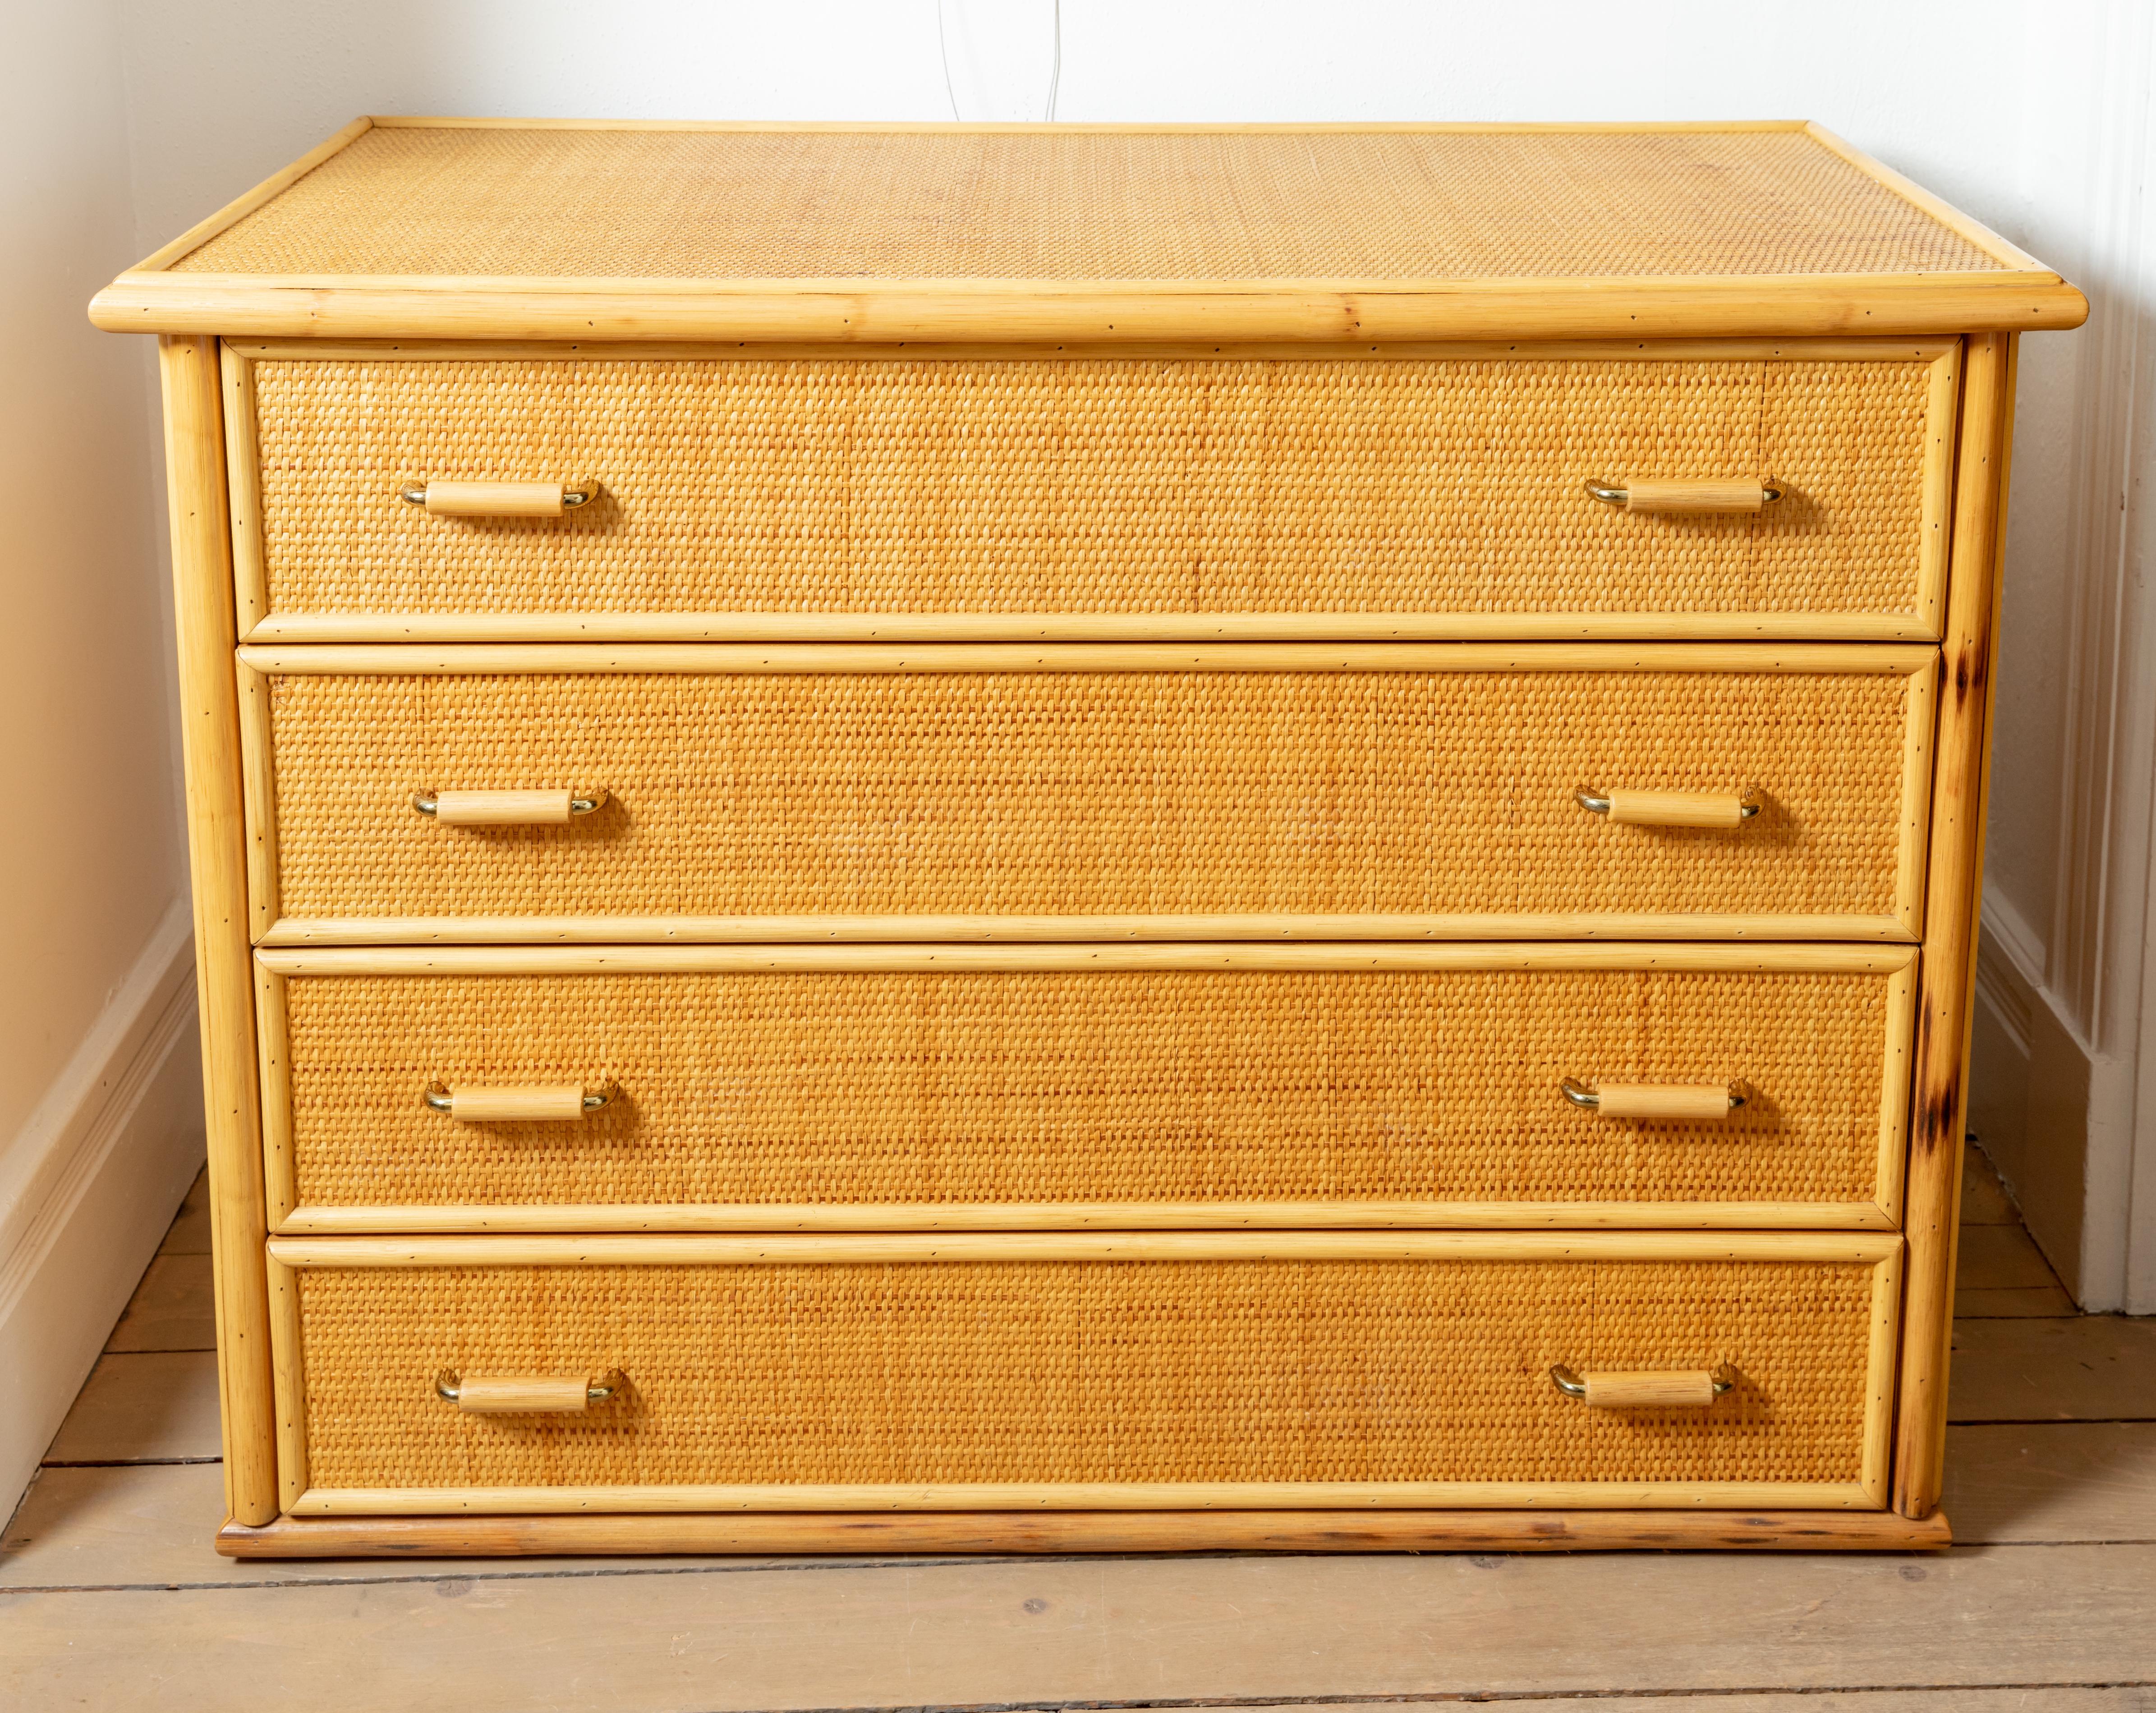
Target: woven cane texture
1083	1371
1129	486
1100	1085
1079	205
1082	792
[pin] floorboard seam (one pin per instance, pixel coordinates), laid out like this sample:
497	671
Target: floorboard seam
123	1463
2054	1421
1453	1698
269	1580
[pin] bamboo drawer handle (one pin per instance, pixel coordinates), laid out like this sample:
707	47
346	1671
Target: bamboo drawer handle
539	1103
1705	496
1688	1388
505	809
526	1394
1696	1101
1672	808
498	499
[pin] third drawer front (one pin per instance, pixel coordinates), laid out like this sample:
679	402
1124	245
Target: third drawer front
872	793
864	1087
1164	1370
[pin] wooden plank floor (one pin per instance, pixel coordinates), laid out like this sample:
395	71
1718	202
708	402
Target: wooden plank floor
111	1597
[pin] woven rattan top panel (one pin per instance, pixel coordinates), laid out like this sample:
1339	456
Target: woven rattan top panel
1080	204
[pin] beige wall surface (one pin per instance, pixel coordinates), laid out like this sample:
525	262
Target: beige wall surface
92	859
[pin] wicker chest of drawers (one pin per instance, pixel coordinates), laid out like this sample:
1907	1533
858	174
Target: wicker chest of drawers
1025	839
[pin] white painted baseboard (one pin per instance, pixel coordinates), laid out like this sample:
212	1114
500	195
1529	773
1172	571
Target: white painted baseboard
2033	1084
88	1187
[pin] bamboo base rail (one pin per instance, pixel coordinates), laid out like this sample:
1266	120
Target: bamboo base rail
1017	1533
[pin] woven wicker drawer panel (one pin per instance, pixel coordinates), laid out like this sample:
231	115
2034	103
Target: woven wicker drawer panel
1085	1371
1073	793
1030	1086
1122	486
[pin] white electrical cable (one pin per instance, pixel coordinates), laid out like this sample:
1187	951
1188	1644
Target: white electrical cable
1055	68
1055	71
943	47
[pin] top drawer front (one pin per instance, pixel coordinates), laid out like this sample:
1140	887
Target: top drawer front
1109	496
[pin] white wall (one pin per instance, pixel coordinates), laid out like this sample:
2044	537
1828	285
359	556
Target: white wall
100	1121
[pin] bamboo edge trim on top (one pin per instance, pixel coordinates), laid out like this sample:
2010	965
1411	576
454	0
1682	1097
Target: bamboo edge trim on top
1704	955
410	660
1788	306
1851	1247
1164	1495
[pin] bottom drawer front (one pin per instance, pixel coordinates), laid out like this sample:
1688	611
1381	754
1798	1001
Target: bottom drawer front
941	1383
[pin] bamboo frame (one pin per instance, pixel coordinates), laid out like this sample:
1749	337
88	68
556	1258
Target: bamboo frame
1091	1531
222	598
259	624
1878	1250
194	453
287	1217
1949	967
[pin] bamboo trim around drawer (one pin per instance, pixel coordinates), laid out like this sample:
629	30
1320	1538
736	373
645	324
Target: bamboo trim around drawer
258	624
1078	1216
1864	1248
282	630
1883	1252
1163	1495
288	1217
555	960
1004	1532
536	931
414	660
1813	351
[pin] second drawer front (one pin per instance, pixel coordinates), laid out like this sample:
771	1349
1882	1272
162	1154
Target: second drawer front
829	1095
992	1372
1308	803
